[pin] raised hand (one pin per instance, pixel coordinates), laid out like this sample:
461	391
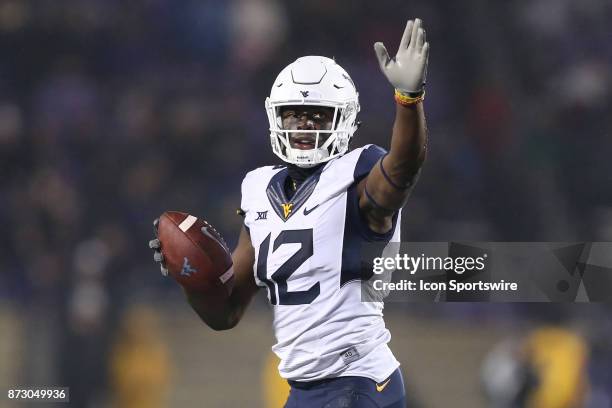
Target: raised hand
408	69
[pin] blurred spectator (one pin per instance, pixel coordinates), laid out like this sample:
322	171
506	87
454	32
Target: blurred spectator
545	369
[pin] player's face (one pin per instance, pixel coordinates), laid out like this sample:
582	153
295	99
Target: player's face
302	117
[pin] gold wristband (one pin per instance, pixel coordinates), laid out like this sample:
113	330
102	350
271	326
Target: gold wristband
407	100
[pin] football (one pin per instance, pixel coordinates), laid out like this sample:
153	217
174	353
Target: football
195	254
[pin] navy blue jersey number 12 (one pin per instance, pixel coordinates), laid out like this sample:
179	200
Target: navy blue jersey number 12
279	278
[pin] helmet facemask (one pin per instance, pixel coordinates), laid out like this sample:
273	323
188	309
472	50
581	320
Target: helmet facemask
329	143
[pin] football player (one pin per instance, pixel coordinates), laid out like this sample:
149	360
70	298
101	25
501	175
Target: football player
305	221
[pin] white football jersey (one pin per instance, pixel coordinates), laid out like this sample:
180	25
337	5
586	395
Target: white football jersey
308	257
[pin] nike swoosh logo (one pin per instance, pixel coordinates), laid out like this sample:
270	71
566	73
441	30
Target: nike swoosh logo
381	387
307	211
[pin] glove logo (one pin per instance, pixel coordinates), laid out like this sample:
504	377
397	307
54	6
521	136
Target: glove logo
187	269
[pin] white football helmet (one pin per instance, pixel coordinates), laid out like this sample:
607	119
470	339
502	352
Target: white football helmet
314	81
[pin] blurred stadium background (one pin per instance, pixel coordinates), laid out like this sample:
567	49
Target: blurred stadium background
112	112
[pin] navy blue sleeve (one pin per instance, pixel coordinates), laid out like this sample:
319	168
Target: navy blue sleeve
367	160
358	224
356	230
356	234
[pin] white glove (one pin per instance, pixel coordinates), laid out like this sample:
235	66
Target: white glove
407	71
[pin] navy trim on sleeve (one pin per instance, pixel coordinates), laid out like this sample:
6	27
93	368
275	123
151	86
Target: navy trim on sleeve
354	216
374	203
356	229
356	233
367	160
391	182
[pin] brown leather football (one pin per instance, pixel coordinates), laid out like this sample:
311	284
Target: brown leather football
195	253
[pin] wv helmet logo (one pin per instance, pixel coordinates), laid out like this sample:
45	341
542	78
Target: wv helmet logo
187	269
304	94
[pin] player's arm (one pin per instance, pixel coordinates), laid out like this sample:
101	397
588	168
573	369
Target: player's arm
390	181
225	315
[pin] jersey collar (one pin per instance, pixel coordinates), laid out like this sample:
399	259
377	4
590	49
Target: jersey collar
275	191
